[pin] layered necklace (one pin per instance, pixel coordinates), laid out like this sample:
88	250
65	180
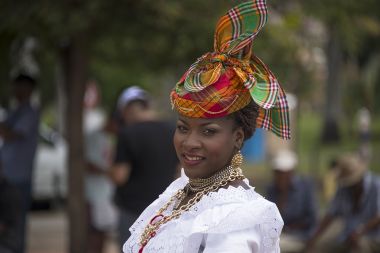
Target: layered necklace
200	187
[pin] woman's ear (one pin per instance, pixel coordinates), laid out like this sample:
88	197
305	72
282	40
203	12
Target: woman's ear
239	138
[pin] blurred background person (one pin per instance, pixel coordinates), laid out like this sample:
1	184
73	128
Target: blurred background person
145	155
20	134
357	203
364	131
102	214
295	198
9	216
329	180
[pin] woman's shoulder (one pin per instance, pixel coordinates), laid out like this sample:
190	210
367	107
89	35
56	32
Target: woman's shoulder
174	186
239	193
236	208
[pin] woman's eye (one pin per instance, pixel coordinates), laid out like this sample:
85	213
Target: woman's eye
209	131
181	129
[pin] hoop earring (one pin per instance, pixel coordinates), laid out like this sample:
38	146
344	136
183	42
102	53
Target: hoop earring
237	160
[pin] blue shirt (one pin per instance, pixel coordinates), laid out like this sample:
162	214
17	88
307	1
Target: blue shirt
300	207
17	155
369	206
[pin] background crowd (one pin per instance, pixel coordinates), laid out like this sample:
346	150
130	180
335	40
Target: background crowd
325	54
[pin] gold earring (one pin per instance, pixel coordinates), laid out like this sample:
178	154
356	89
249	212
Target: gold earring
237	160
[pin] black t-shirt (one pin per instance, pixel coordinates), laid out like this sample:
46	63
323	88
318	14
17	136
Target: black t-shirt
148	148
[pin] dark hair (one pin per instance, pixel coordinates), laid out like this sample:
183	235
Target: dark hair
25	79
246	118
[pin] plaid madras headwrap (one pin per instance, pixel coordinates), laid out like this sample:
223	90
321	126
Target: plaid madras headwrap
226	80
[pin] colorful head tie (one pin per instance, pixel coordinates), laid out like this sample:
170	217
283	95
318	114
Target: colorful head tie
226	80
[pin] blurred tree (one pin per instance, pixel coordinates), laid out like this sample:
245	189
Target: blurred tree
347	35
5	45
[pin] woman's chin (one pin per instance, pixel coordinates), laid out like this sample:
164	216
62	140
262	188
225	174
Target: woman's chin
192	172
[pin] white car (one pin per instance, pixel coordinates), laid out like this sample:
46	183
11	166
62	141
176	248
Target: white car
50	167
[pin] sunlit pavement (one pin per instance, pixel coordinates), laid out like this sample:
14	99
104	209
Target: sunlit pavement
48	233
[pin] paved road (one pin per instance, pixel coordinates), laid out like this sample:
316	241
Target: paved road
48	233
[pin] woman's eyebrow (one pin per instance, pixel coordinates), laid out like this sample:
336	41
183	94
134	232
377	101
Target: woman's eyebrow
209	123
183	121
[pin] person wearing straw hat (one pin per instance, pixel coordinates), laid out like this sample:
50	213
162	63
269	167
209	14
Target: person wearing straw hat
220	100
295	198
357	203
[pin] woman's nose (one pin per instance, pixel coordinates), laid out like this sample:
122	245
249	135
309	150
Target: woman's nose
191	141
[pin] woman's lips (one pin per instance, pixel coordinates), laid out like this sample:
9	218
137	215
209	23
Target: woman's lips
192	160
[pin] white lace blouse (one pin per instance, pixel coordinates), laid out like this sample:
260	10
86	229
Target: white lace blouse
229	220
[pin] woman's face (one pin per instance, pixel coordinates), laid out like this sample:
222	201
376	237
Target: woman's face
205	146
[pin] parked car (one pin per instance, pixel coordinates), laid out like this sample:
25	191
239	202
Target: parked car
50	168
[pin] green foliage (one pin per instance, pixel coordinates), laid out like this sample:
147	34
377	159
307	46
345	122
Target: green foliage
352	20
127	40
144	42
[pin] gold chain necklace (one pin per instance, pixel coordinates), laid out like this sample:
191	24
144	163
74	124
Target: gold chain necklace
159	219
198	184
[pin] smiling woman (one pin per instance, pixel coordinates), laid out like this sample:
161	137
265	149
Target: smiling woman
220	101
204	146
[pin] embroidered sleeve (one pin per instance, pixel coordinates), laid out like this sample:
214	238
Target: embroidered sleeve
254	226
246	241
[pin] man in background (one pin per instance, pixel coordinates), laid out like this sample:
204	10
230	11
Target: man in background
295	198
357	204
145	160
9	216
20	134
102	214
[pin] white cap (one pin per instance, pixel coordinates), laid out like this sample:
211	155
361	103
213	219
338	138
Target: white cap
130	94
284	160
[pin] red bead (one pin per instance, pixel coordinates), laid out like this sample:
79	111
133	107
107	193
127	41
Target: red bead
152	221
